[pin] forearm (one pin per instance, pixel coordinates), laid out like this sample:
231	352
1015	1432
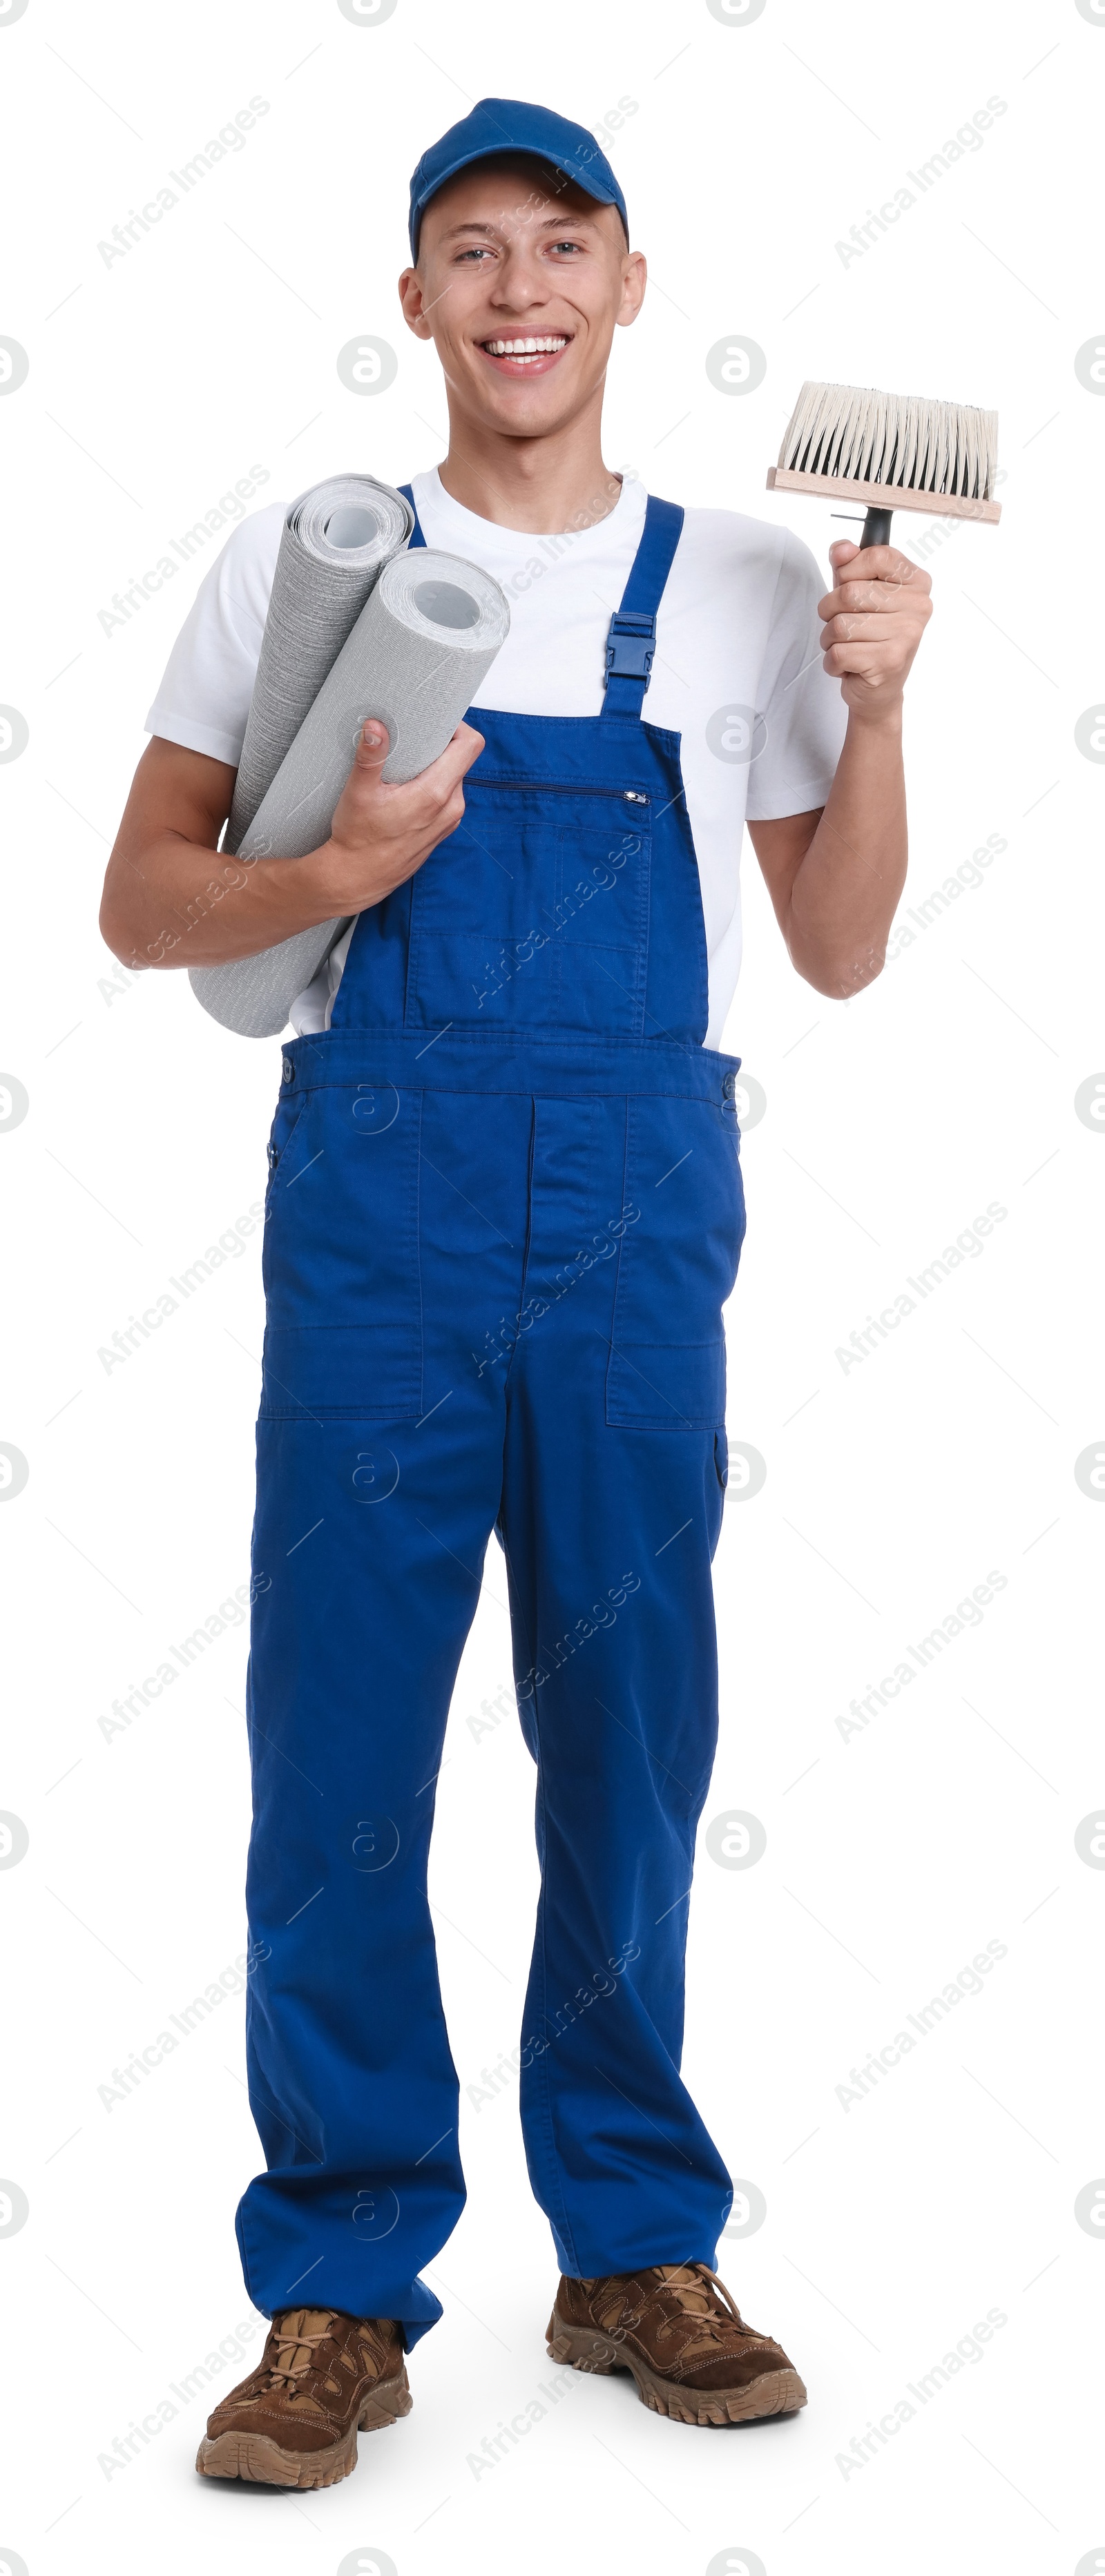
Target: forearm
846	891
171	898
174	902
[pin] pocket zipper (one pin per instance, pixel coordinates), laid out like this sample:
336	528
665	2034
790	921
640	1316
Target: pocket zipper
555	787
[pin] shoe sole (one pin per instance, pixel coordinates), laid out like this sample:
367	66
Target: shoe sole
259	2461
777	2392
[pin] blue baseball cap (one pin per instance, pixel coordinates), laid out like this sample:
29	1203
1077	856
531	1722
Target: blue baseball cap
509	126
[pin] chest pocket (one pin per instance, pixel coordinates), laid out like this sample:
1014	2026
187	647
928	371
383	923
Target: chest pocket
534	913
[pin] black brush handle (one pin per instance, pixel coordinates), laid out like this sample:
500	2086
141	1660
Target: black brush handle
876	528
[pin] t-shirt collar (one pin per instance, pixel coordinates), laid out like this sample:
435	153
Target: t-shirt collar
471	532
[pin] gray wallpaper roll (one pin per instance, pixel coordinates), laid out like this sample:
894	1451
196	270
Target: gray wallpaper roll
333	545
419	652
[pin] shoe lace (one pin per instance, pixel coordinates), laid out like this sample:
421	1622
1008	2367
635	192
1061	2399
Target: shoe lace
702	2296
296	2343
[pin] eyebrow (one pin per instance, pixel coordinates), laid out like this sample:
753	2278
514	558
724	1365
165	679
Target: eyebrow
550	224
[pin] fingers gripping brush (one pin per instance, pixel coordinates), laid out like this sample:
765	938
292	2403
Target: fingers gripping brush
843	440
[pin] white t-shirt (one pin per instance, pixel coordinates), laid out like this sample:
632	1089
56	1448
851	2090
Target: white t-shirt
737	671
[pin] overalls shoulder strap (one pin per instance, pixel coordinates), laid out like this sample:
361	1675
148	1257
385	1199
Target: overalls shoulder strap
416	537
631	636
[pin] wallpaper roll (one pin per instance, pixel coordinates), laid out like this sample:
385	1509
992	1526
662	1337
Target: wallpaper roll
420	650
334	544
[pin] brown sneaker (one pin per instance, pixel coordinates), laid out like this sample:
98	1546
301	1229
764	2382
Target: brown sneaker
294	2422
676	2328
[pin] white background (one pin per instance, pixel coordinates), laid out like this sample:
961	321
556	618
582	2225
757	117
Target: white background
892	1488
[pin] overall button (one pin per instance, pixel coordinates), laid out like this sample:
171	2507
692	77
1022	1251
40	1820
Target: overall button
729	1087
287	1070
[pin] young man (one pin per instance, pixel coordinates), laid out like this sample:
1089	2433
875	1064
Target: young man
505	1213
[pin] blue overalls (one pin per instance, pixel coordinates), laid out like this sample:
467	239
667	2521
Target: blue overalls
504	1214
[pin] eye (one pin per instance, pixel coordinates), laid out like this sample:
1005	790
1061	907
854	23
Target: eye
566	245
479	251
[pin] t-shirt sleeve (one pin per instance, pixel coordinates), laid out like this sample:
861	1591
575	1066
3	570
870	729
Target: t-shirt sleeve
204	696
802	708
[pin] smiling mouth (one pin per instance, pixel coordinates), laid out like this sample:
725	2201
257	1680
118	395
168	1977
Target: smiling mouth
533	355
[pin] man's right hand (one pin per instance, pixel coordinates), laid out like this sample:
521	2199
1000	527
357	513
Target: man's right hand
171	898
380	834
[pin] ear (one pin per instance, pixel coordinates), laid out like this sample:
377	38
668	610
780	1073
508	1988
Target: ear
634	281
410	297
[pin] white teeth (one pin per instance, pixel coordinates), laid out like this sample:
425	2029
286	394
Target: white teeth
525	348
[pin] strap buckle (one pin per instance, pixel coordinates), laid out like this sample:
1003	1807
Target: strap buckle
630	645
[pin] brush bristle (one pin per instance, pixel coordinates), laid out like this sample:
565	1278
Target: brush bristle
901	440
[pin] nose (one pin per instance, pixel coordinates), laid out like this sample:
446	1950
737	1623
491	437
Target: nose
519	283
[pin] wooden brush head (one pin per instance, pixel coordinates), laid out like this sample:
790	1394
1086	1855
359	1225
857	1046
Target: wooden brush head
901	451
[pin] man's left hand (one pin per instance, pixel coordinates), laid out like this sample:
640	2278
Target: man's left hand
874	621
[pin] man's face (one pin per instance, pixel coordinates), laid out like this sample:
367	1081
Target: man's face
520	283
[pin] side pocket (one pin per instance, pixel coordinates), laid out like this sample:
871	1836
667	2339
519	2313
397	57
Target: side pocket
721	1458
288	1116
343	1332
677	1267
